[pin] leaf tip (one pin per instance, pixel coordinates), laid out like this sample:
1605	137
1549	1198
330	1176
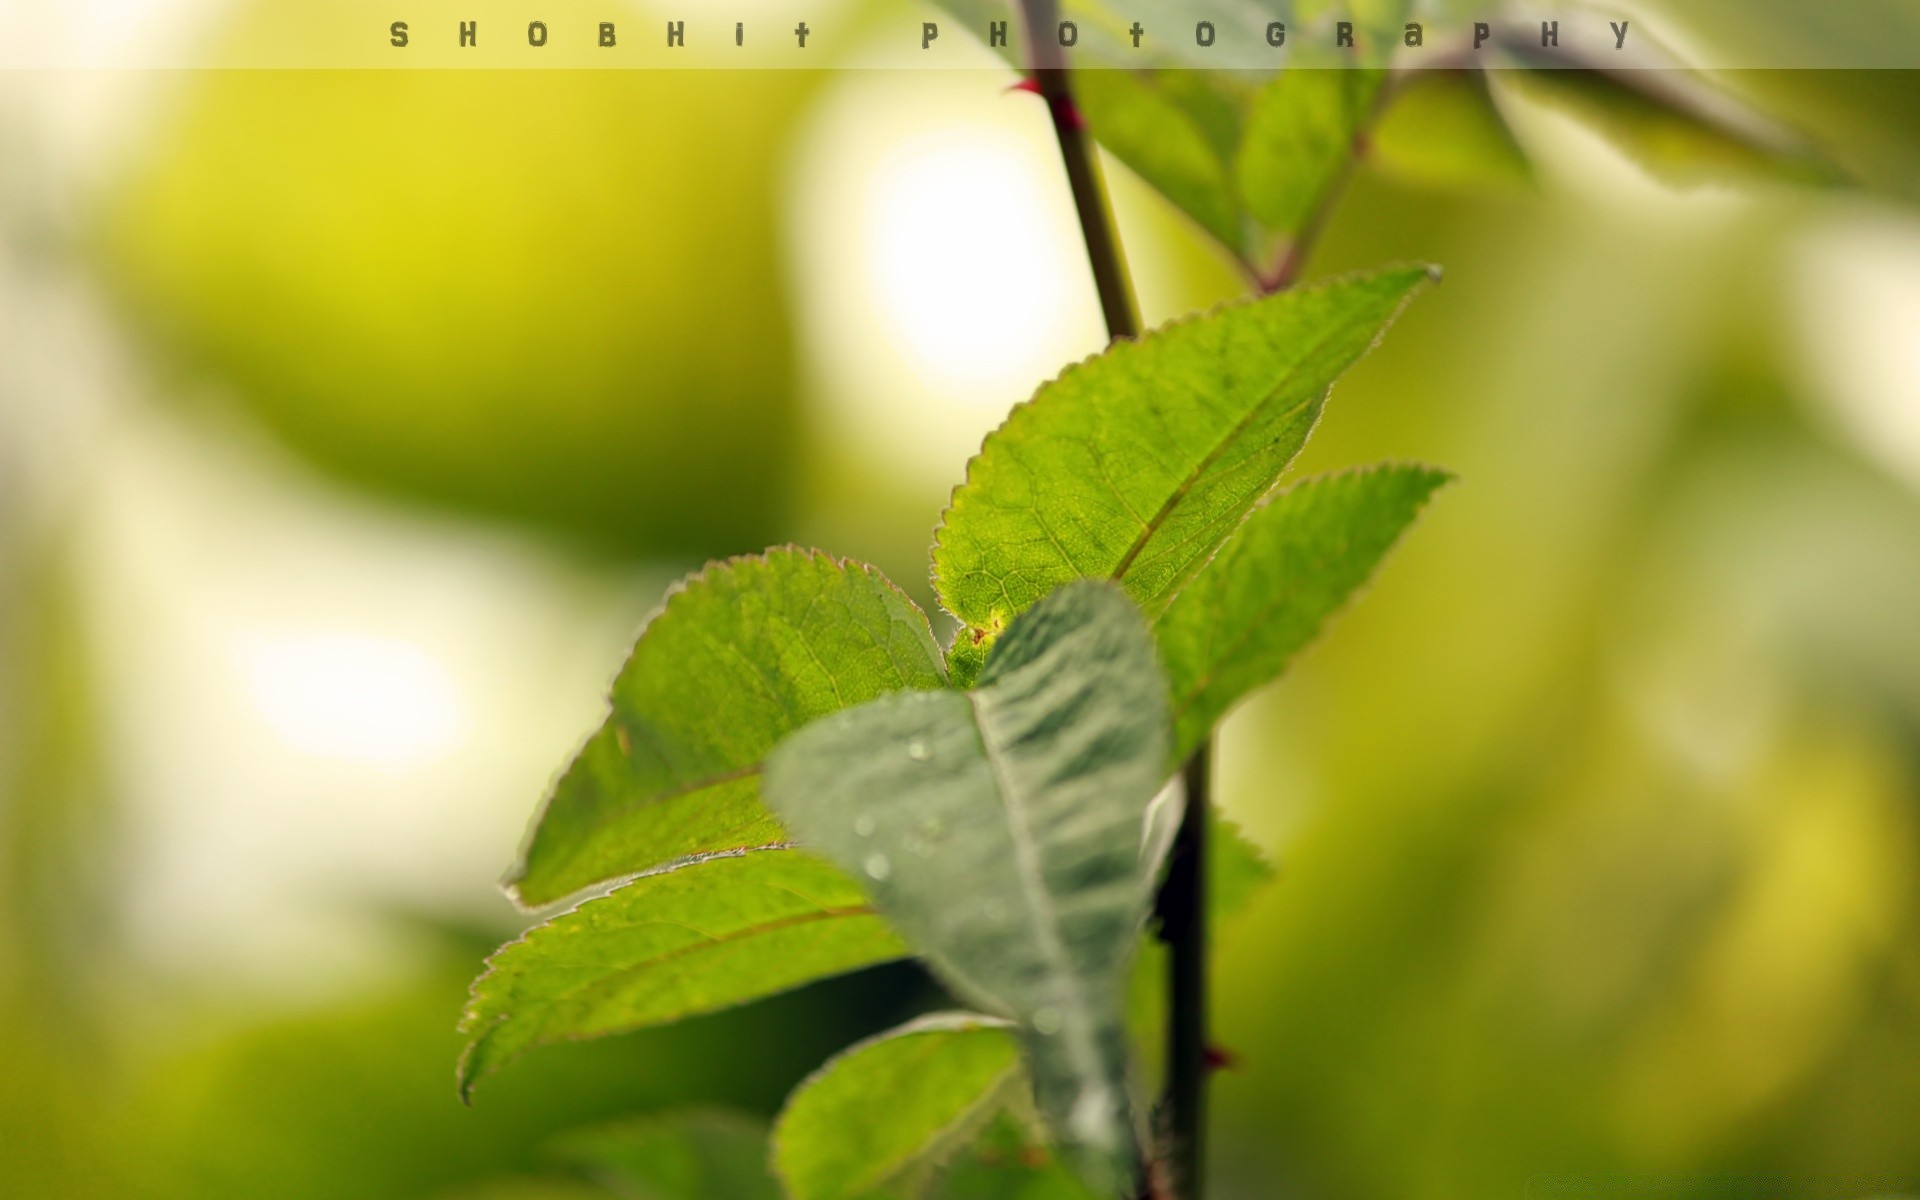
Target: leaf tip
1431	478
513	885
465	1077
481	1057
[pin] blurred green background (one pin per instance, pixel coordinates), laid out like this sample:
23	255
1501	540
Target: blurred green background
351	423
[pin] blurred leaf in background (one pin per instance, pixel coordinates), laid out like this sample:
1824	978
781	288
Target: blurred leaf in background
1602	843
356	1100
1864	119
551	297
54	917
1443	129
687	1154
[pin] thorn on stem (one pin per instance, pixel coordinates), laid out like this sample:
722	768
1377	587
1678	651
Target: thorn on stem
1065	111
1219	1058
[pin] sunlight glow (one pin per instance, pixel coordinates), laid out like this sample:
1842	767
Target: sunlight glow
1859	321
961	255
319	708
937	264
349	696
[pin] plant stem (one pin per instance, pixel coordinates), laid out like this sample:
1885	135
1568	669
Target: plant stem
1182	907
1181	904
1049	75
1294	256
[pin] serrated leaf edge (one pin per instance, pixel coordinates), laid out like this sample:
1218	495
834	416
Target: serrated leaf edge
1125	346
477	1032
946	1137
704	576
1177	706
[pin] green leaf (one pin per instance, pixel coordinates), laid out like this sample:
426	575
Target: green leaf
1443	129
1136	464
1000	830
1236	870
285	236
881	1119
739	656
1178	130
1008	1163
1267	593
1247	154
693	1154
1300	140
1673	125
518	1188
707	935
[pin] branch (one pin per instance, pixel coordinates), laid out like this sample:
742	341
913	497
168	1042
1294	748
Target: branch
1182	909
1187	984
1049	79
1181	905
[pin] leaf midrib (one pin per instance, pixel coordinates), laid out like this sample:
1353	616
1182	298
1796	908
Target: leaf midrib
627	808
1082	1042
886	1173
1222	655
711	942
1263	613
687	789
1220	448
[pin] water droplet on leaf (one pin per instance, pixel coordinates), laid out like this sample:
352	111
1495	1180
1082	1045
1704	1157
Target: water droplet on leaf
1091	1118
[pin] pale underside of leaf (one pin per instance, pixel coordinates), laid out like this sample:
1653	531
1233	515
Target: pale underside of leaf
1136	464
1237	871
1675	126
879	1120
739	655
709	934
1000	831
